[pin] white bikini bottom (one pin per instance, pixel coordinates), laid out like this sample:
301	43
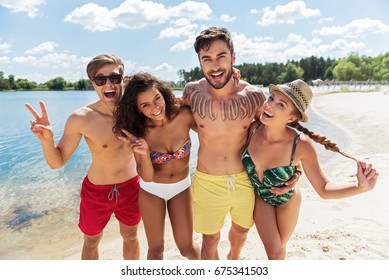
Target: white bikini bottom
166	191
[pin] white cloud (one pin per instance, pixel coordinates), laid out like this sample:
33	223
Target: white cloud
254	11
180	22
180	28
295	46
341	47
58	60
299	47
299	39
166	72
29	60
288	13
135	14
354	29
53	65
5	47
257	49
5	59
227	18
93	17
189	41
43	47
130	67
51	60
82	62
192	10
165	67
31	7
183	45
326	19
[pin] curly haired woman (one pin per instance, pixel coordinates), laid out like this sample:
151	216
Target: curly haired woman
150	119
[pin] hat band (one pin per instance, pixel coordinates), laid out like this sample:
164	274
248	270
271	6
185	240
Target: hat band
298	103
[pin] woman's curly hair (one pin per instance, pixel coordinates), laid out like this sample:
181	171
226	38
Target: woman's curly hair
127	114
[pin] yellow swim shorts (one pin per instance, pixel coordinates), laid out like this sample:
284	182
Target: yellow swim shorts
215	196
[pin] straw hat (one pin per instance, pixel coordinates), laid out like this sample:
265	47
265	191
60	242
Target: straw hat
299	92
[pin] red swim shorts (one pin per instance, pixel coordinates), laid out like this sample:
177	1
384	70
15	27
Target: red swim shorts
99	202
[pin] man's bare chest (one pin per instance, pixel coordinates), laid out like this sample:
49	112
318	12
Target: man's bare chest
239	107
98	133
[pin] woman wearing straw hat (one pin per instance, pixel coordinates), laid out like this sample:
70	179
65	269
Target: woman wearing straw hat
274	152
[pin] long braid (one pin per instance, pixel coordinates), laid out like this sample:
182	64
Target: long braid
327	143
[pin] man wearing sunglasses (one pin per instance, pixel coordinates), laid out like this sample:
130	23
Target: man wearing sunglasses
111	184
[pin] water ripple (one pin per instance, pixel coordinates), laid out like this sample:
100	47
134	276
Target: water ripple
23	217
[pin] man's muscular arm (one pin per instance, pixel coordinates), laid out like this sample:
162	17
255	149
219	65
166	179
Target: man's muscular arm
260	98
187	94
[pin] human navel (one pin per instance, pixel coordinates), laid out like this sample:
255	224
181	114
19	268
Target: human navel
105	146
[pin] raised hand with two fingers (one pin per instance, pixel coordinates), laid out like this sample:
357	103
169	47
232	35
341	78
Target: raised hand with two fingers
41	125
138	145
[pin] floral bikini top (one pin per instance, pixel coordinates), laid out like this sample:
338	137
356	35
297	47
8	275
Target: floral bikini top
274	177
159	158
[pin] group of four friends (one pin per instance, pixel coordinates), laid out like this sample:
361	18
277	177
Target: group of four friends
251	153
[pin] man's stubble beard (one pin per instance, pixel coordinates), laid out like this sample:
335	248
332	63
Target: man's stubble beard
220	85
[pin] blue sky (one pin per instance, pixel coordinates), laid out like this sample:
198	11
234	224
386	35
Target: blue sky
43	39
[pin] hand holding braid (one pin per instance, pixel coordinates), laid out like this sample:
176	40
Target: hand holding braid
328	144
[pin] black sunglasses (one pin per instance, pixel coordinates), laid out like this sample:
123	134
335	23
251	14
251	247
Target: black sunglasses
102	80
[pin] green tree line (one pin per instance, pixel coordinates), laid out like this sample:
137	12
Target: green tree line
58	83
353	67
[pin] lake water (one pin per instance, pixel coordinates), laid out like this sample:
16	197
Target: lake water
38	205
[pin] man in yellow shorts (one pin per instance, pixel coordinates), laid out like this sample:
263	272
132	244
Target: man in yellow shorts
218	195
223	109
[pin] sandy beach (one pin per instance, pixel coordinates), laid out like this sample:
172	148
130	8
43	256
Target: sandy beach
354	228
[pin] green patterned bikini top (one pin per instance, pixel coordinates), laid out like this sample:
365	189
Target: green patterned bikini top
274	177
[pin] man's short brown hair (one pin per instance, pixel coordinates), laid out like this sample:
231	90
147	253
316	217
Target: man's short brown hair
211	34
101	60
